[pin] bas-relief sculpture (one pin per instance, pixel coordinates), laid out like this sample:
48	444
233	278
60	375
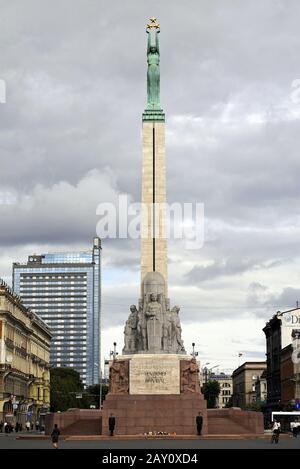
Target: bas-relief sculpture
154	327
189	372
119	377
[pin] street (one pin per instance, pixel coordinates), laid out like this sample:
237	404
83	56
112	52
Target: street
10	442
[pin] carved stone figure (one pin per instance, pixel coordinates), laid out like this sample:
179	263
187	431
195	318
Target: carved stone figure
189	376
153	328
178	342
130	331
119	377
167	332
141	331
154	322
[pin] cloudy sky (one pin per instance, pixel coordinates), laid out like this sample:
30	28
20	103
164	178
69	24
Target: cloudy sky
70	138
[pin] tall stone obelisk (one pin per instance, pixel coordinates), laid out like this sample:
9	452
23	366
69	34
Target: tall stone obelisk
153	243
154	385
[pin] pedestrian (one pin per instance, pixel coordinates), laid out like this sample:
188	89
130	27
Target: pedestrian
275	432
294	429
27	425
199	423
1	426
54	436
17	427
111	424
5	427
37	425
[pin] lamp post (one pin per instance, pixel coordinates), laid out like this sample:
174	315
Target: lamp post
100	383
205	369
115	350
100	387
194	354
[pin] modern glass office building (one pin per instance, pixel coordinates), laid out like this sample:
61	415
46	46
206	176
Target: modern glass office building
64	289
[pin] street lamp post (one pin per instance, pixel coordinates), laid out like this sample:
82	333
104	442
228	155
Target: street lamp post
100	386
205	369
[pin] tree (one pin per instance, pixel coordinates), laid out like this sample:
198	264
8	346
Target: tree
256	406
92	395
211	391
64	384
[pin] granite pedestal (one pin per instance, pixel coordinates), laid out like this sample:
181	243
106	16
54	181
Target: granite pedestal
154	393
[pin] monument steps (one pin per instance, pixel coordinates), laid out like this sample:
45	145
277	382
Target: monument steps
219	425
83	427
234	421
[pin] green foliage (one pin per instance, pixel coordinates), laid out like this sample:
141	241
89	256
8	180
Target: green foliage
256	406
64	384
211	391
92	395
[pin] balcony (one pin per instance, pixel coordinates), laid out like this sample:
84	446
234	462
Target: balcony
9	343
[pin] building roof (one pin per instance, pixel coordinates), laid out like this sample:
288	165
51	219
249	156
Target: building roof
250	366
17	300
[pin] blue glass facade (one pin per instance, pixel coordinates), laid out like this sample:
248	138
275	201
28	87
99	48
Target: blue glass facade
64	289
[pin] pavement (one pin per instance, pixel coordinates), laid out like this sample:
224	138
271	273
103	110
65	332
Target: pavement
13	442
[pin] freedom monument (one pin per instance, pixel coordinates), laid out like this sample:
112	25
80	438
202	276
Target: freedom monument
154	384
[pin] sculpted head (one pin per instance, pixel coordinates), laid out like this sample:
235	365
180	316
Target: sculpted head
133	308
153	49
153	297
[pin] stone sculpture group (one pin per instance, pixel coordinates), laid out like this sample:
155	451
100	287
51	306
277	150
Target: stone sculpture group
153	328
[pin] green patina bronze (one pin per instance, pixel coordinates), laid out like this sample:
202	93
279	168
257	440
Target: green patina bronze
153	111
153	73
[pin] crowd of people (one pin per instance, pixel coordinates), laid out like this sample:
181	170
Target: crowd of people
9	427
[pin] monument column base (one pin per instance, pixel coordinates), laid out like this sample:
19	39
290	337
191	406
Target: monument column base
154	393
140	414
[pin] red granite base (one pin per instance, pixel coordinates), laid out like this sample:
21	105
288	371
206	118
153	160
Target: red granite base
139	414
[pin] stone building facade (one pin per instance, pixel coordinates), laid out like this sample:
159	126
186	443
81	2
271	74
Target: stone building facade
279	332
24	361
244	379
226	388
290	374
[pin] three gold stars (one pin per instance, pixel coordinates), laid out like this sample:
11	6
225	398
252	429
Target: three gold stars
153	23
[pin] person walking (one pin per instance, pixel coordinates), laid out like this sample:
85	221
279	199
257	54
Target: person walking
275	432
199	423
111	424
295	427
27	425
55	436
1	426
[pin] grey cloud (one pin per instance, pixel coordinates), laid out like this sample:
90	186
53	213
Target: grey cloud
70	137
225	267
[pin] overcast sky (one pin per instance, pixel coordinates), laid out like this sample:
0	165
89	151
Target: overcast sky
70	138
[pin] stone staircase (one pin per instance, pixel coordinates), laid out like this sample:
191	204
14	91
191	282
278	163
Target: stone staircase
225	426
233	422
83	427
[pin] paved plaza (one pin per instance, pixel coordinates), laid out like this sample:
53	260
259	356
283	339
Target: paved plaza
11	442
